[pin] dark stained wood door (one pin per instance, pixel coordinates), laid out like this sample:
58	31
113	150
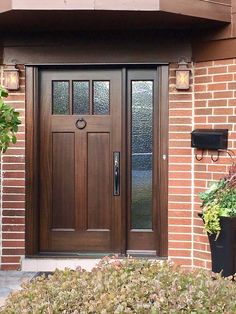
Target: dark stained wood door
80	130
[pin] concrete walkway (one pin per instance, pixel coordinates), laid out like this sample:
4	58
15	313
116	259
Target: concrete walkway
11	281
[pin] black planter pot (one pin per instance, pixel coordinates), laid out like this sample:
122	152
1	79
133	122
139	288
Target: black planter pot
223	249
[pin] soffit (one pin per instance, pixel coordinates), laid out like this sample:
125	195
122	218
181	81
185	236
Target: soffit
99	14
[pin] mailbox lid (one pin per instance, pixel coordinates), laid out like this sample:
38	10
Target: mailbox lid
212	139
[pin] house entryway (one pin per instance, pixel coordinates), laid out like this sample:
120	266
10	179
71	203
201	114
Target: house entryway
97	141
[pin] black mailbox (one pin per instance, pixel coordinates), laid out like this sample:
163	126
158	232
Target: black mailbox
210	139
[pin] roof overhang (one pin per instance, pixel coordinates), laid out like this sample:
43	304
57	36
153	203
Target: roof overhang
17	14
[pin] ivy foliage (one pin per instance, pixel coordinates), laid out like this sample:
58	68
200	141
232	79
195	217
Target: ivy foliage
219	201
115	286
9	121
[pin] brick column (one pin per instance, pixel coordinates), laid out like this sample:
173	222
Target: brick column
13	188
180	205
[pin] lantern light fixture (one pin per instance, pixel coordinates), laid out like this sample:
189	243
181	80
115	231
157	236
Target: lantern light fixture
11	77
183	75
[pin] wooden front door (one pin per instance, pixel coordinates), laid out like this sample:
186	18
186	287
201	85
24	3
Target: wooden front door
97	160
80	160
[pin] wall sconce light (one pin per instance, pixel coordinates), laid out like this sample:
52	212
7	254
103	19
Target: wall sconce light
11	78
182	75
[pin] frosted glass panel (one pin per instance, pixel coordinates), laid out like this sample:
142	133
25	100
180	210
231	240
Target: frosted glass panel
81	97
101	97
60	97
141	150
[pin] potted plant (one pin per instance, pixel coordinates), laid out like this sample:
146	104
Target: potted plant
219	217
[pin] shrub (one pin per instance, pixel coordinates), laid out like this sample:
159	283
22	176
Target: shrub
9	121
125	286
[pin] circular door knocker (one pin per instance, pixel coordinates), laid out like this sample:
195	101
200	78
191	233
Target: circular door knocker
81	123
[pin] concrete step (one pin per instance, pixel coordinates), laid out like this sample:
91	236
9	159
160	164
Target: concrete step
44	264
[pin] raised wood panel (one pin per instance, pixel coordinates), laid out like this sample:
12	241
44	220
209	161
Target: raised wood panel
63	181
99	183
91	241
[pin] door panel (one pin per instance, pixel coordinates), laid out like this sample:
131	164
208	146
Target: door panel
99	185
63	181
78	211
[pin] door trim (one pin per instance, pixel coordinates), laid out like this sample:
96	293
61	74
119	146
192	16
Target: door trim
32	154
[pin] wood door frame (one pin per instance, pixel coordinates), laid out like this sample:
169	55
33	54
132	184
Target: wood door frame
32	154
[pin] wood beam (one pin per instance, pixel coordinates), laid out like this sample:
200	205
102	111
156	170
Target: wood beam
214	50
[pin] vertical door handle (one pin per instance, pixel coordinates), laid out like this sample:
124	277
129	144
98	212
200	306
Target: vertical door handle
116	173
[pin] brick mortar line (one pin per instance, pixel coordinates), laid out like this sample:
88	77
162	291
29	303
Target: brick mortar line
14	194
179	233
12	171
15	102
8	263
182	257
14	216
15	148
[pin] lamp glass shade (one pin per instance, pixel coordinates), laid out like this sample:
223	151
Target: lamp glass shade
11	79
182	79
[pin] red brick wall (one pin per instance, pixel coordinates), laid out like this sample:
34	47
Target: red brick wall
13	189
210	102
215	107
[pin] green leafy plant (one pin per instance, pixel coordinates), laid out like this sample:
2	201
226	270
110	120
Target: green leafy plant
125	286
9	121
219	201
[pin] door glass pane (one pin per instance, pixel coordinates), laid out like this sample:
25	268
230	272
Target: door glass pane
141	151
101	97
81	97
60	97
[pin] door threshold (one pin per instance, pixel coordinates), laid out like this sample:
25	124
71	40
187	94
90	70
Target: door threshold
88	255
78	255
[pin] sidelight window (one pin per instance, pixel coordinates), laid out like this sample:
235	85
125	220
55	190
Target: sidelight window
141	154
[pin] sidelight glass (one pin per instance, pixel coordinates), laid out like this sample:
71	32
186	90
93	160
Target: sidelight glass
101	97
141	154
60	97
81	97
